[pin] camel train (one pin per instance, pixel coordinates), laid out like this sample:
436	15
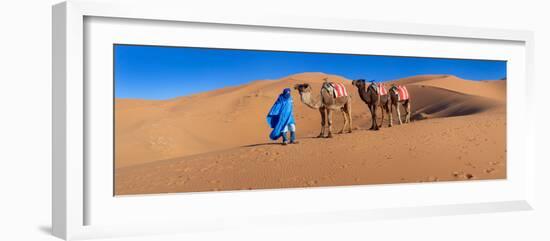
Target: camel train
334	97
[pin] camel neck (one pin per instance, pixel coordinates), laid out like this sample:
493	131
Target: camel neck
363	93
308	100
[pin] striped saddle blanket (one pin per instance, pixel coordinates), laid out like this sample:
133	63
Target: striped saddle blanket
380	88
402	92
338	89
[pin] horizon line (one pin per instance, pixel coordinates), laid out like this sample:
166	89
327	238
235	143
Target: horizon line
504	78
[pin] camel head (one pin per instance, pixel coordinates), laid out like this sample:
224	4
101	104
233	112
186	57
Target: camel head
305	96
303	88
360	83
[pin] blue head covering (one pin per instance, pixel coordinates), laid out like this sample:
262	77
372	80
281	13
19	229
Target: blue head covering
281	114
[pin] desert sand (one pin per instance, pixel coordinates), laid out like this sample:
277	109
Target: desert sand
218	140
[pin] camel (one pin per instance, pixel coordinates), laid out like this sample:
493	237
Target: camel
370	96
326	104
395	104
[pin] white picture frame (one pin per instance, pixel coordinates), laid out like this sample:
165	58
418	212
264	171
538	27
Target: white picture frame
72	189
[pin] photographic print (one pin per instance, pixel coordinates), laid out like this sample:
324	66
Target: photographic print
189	119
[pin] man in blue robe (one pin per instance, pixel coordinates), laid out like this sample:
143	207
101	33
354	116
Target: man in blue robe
281	118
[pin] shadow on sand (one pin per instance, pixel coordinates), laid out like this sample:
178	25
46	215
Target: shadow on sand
264	144
279	143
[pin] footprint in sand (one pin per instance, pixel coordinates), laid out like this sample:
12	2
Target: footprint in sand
470	164
312	182
457	174
183	181
461	174
433	179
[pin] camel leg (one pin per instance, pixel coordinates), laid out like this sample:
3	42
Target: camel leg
382	112
375	118
408	116
348	112
371	118
323	121
391	115
345	120
388	111
398	113
374	122
329	120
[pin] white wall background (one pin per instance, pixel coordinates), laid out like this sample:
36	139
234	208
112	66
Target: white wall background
25	120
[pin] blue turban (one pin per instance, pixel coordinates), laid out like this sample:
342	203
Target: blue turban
280	114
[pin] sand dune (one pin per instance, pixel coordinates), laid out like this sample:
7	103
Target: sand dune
216	120
191	131
446	149
490	89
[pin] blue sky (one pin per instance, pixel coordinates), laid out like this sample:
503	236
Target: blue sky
156	72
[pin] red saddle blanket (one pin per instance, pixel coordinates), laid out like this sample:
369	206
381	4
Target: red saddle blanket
339	90
382	89
402	92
